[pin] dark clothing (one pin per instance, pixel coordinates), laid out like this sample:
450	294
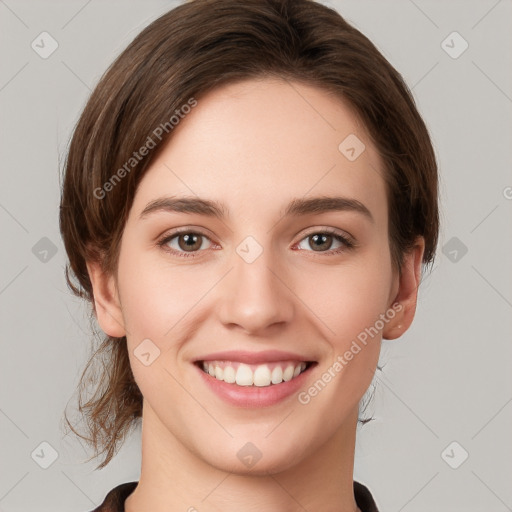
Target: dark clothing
114	501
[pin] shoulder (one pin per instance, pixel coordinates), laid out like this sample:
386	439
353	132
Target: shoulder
364	498
114	500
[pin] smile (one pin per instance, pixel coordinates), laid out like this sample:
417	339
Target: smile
260	375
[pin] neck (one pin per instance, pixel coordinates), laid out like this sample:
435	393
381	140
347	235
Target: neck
174	478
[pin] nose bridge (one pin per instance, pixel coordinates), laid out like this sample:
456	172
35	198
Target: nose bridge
253	296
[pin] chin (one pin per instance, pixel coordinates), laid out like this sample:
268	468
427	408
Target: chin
260	457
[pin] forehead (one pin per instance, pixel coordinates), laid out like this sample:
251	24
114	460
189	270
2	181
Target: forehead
266	142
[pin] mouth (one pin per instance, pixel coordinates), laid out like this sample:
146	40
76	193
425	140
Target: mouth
272	373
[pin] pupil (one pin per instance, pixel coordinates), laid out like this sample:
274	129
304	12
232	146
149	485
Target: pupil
190	242
322	239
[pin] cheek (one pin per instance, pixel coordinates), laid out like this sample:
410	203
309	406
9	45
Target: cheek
347	298
349	305
160	301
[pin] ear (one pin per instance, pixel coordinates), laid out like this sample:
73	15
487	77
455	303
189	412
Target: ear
404	302
106	301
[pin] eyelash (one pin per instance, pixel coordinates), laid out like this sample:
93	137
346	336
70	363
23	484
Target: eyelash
346	241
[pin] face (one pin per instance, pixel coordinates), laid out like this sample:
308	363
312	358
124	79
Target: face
234	256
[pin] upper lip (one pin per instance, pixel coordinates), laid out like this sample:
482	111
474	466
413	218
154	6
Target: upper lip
243	356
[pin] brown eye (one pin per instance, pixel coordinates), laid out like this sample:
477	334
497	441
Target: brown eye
323	241
189	242
320	241
186	242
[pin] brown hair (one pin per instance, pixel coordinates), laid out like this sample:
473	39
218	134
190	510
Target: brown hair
184	54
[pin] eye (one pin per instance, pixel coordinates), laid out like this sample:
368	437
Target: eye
323	241
185	243
188	243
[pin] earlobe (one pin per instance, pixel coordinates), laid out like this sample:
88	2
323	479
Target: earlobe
106	301
407	294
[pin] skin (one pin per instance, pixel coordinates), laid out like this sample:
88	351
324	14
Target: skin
255	145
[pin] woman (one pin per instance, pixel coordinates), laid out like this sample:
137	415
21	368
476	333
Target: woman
249	197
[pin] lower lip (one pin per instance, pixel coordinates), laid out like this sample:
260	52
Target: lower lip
254	396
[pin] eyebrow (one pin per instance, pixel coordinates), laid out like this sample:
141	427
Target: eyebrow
296	207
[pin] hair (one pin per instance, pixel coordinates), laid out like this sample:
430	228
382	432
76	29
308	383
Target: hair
192	49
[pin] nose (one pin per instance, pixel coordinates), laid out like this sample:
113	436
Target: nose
255	296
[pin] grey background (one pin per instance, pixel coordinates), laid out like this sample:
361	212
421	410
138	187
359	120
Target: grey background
448	379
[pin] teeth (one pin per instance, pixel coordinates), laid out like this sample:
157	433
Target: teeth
219	373
262	376
256	375
277	375
244	376
229	374
288	373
